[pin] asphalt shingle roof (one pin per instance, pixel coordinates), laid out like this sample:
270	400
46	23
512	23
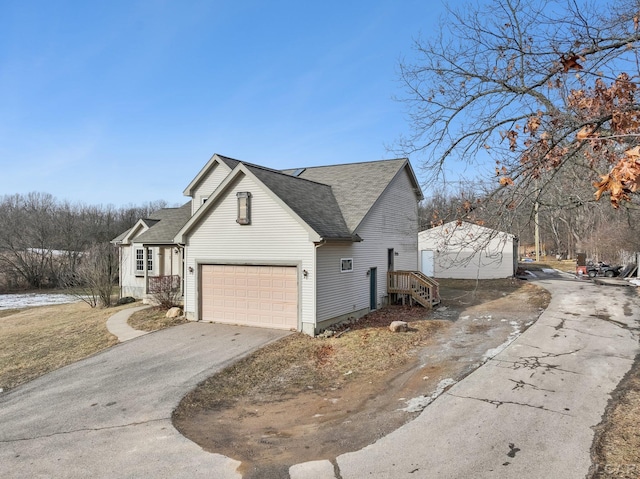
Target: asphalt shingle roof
313	202
332	200
355	186
165	224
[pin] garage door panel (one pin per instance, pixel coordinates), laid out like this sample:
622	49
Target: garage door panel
264	296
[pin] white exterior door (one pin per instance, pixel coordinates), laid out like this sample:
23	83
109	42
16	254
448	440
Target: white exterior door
264	296
427	261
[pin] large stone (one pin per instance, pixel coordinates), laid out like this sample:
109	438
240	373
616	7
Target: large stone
399	327
126	300
174	312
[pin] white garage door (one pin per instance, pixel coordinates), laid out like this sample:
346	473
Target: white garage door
265	296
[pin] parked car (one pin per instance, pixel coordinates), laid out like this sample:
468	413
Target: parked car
602	269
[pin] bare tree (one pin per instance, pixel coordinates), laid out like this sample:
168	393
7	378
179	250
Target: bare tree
96	275
530	87
43	241
26	230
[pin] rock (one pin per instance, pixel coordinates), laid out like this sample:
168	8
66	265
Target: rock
174	312
399	327
126	300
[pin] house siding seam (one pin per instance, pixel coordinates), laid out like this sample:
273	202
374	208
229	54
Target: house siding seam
391	223
260	243
208	185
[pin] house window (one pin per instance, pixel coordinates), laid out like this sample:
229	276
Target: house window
140	260
244	208
346	265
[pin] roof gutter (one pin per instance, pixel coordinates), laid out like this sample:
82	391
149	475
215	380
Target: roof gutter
342	239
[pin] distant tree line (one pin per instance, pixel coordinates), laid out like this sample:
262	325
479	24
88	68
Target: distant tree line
43	240
570	220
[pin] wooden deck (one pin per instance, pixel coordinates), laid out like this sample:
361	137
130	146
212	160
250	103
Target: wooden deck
413	286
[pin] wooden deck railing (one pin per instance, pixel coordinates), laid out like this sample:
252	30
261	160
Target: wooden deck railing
414	285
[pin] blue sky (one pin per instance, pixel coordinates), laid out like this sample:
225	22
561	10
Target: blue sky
122	102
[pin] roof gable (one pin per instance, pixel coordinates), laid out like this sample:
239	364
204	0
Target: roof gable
128	236
463	232
228	163
164	229
357	186
313	202
331	200
304	200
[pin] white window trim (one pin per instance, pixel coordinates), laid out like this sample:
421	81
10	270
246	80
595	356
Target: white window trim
346	262
149	260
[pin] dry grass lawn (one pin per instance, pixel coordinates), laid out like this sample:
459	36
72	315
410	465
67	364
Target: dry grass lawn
616	450
38	340
566	265
153	319
298	362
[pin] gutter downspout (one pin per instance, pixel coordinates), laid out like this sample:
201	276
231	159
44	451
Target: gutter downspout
181	250
146	269
315	283
120	266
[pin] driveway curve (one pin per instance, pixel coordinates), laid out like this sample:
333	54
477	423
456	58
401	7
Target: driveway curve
530	411
110	415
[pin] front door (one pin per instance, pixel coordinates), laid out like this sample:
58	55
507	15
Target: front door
390	259
373	289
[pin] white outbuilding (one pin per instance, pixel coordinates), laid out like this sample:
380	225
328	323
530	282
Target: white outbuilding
463	250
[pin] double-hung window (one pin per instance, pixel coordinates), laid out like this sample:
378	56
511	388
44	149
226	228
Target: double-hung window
140	260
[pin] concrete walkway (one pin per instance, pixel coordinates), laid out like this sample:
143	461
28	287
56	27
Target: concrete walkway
117	324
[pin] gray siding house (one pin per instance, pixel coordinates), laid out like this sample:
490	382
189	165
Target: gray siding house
296	249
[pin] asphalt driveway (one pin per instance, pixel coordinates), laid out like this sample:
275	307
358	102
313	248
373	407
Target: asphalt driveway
110	415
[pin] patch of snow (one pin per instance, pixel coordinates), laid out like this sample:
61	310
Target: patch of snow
419	403
465	317
491	353
635	281
549	270
531	274
24	300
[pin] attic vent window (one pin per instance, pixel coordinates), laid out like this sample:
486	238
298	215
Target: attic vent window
346	265
244	208
298	172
